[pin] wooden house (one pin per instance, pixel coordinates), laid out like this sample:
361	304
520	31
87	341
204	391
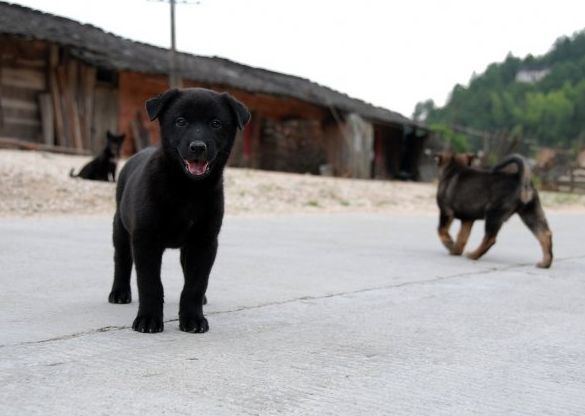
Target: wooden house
63	84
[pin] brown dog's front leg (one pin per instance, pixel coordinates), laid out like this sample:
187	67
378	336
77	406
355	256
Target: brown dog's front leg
462	237
444	225
486	244
493	223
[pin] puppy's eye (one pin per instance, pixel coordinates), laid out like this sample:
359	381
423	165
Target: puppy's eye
180	122
215	123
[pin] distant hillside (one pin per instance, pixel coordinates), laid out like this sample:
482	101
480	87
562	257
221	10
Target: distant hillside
541	98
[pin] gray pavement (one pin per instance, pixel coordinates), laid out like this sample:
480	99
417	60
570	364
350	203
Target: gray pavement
309	315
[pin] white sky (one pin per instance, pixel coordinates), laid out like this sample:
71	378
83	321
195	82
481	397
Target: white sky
389	53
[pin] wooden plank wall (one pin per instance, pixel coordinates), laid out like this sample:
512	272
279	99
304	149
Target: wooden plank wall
72	89
22	80
105	114
350	146
45	96
292	146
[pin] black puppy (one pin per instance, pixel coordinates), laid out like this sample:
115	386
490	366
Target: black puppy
172	197
471	194
103	166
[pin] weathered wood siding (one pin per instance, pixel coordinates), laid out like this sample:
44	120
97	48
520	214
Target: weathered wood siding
23	67
292	146
350	146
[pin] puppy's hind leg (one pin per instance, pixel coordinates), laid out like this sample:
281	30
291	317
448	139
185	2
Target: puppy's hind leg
122	264
533	216
444	225
462	237
493	223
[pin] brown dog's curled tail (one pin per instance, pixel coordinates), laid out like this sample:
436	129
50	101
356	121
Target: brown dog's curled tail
516	164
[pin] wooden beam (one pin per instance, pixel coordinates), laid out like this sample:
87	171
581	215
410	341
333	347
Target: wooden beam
71	94
47	118
55	95
24	78
11	143
86	103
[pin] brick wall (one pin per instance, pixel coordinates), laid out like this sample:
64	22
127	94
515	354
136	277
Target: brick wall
292	146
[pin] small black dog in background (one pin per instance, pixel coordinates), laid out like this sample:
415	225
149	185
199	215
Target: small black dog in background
171	196
103	166
469	194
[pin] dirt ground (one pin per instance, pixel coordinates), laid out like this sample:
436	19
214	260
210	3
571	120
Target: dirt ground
38	184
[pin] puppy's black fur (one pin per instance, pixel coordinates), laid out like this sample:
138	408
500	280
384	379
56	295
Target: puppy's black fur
171	196
103	166
471	194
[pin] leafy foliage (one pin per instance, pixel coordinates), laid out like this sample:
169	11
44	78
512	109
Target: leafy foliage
550	110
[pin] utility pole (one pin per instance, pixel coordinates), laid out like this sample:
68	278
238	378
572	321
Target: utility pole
174	81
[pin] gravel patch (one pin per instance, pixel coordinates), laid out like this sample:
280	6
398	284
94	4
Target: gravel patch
38	184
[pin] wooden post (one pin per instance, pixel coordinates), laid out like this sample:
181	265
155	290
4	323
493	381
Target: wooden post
71	94
378	154
47	118
60	138
86	103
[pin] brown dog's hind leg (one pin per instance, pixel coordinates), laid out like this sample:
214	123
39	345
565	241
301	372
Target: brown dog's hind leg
493	223
545	239
444	225
462	237
533	216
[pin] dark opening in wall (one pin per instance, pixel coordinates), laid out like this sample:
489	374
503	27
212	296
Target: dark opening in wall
107	76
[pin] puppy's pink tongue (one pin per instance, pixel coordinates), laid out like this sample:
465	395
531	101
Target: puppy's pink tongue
196	168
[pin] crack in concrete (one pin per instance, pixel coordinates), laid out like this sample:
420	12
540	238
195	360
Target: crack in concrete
305	298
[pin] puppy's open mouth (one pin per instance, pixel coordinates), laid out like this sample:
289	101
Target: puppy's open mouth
196	167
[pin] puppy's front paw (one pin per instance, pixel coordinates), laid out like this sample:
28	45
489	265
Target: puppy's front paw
120	296
148	324
193	325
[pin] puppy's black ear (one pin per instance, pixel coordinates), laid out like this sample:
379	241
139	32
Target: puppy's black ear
239	110
156	105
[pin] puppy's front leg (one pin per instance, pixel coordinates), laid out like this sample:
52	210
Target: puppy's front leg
197	258
147	259
443	230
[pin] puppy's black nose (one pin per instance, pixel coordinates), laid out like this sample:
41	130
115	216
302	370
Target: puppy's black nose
198	147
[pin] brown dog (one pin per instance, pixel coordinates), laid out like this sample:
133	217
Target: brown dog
469	194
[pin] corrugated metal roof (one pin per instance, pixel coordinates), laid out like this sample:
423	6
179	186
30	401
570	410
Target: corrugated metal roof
101	48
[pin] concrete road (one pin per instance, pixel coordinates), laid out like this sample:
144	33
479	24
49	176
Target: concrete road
314	315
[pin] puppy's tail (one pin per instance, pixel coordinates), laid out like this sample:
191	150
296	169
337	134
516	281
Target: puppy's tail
72	174
516	165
